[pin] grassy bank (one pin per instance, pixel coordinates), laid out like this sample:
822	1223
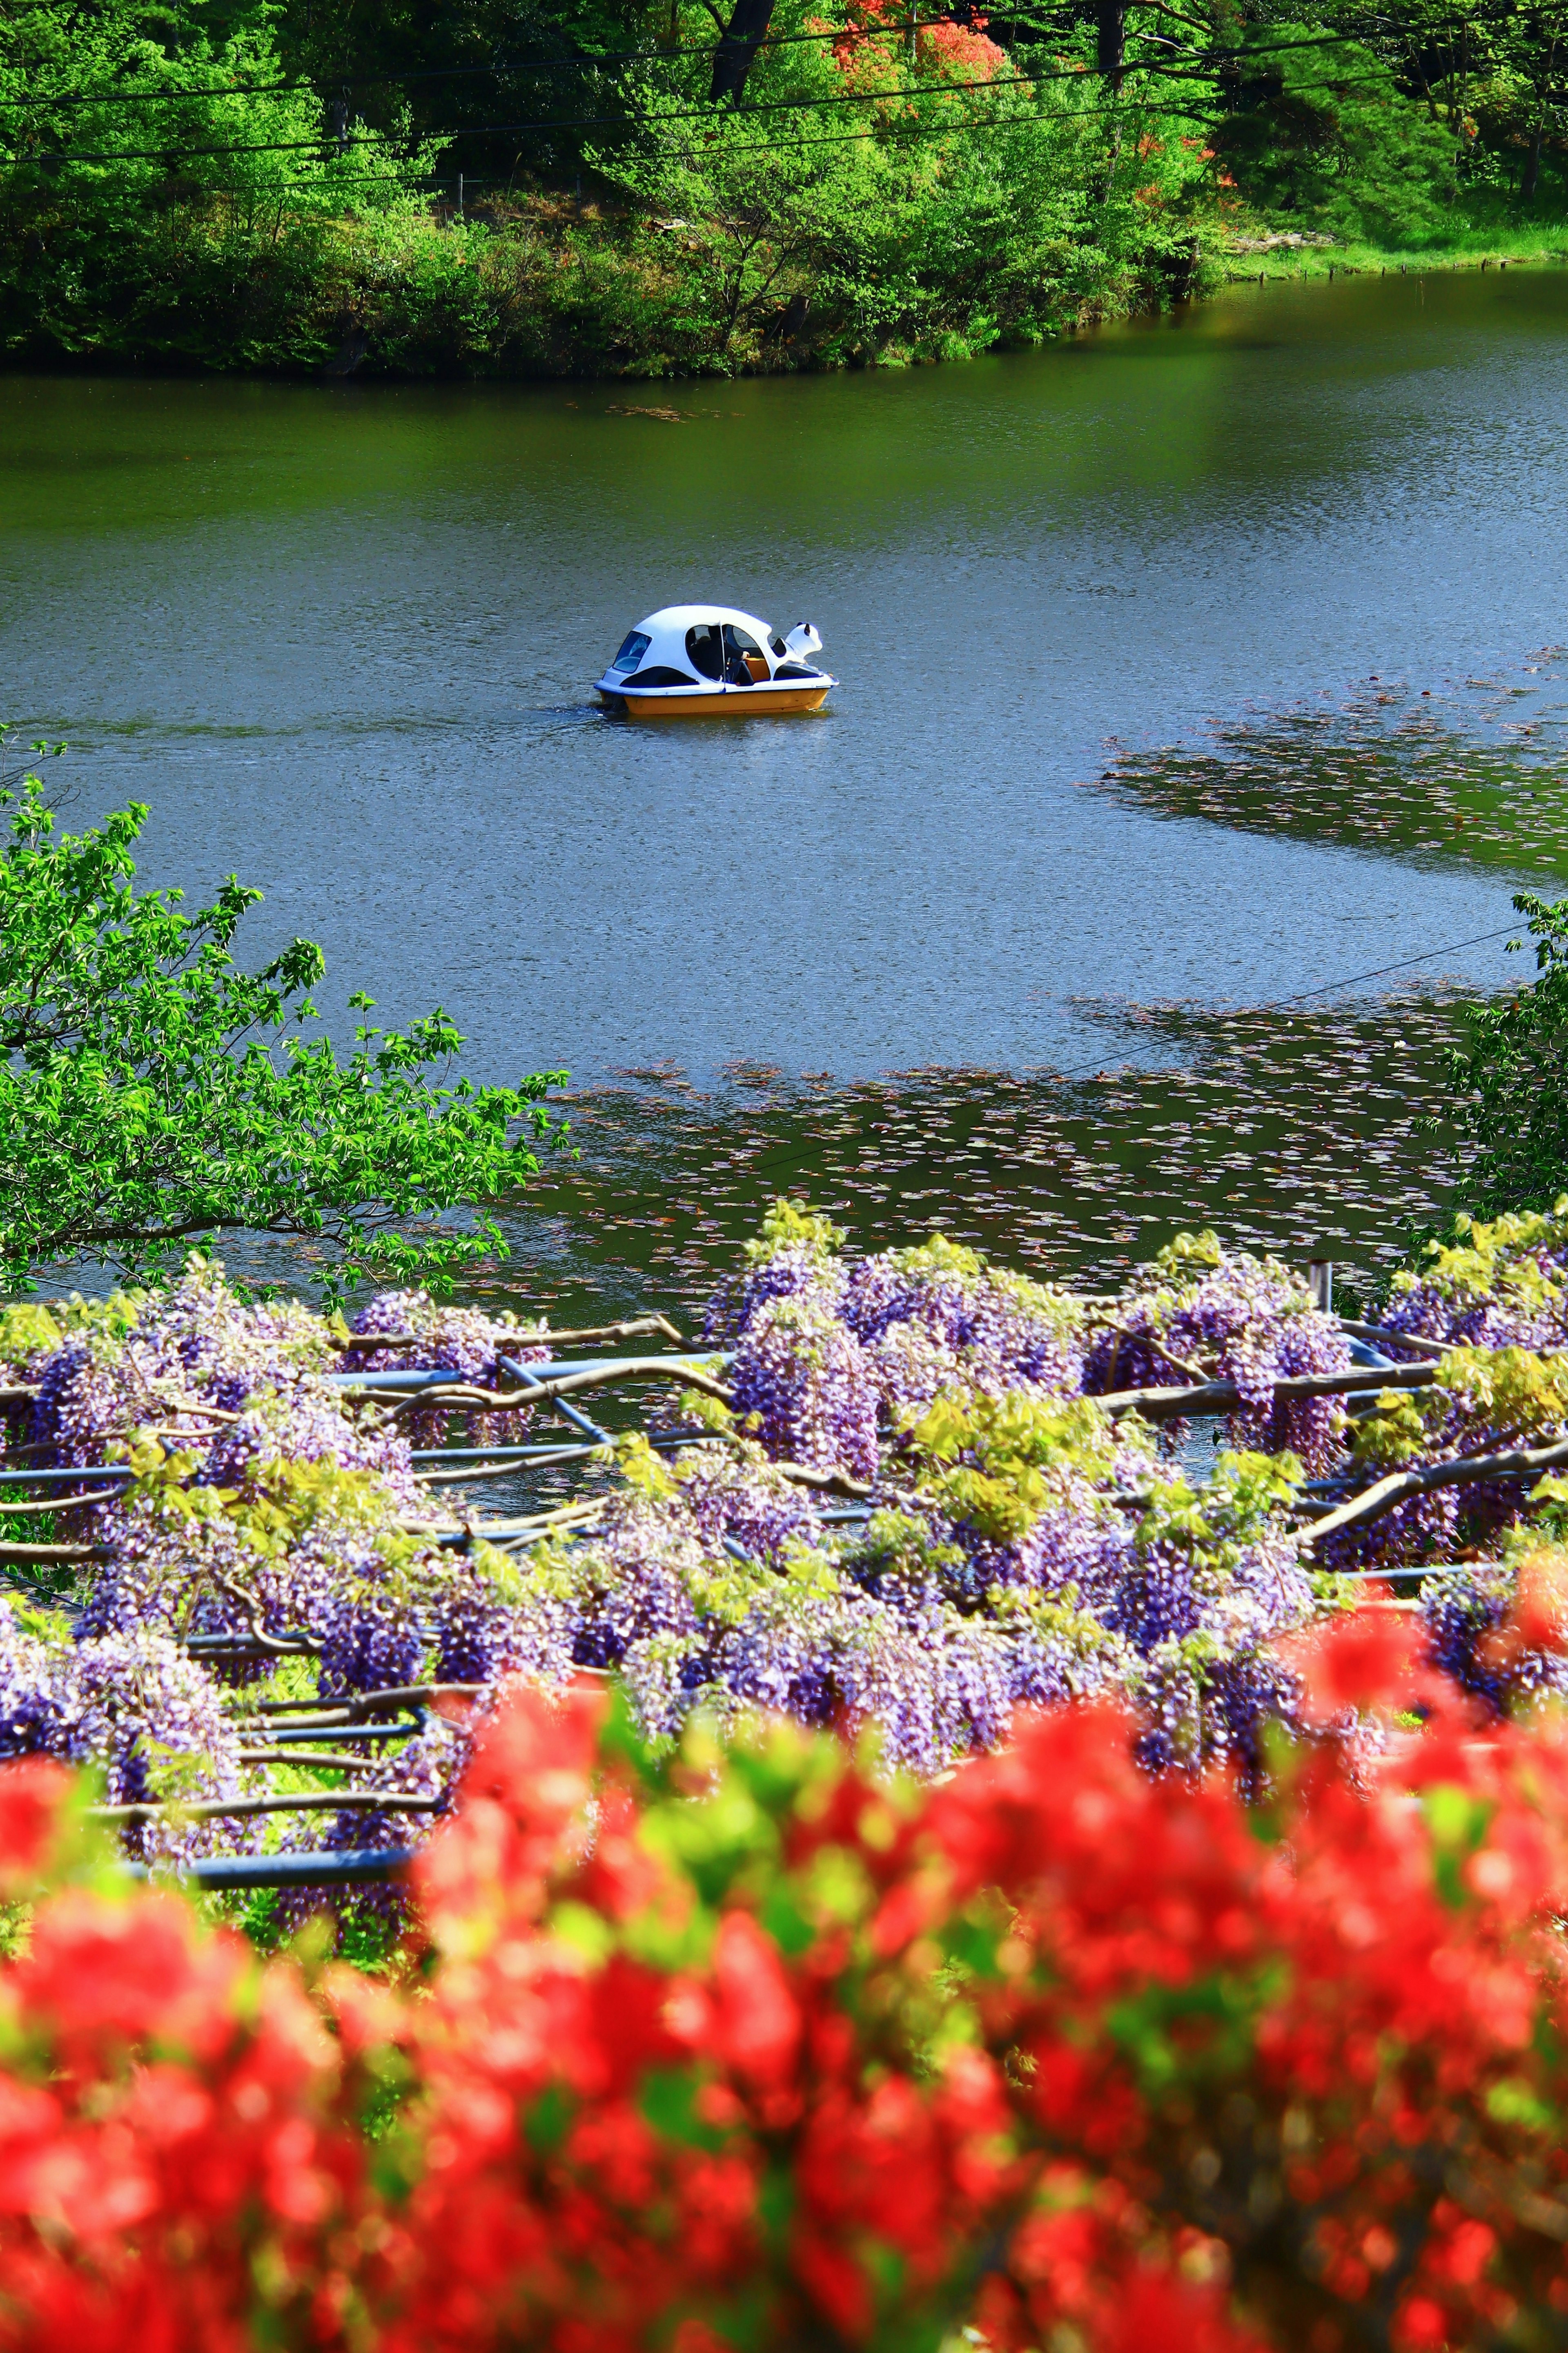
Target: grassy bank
749	258
541	285
1263	254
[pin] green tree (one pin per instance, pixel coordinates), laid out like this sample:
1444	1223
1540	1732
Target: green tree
151	1092
1323	135
457	68
1507	1080
1528	100
168	190
951	212
1497	80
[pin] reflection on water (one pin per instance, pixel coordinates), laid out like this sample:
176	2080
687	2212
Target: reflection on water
1294	1133
340	639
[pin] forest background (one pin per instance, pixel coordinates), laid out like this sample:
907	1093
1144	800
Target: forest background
654	186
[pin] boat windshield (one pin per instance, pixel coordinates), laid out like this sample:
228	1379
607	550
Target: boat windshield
632	652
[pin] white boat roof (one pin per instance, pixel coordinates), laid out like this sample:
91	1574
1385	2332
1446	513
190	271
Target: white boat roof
682	617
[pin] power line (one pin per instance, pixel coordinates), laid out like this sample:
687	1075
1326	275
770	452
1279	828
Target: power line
891	135
570	123
888	135
591	60
584	64
908	136
1195	64
1279	1004
933	90
327	183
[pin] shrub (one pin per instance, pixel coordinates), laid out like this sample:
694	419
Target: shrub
751	2048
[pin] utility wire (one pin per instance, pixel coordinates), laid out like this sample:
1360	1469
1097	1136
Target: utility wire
889	135
1192	66
592	59
584	64
1279	1004
893	135
567	122
653	122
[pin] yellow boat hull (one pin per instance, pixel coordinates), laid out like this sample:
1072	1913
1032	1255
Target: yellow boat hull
743	702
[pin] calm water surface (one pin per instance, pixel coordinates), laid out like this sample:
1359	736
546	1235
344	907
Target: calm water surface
341	638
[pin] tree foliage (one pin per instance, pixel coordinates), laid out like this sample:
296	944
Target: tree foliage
649	184
1507	1081
1314	134
1497	78
168	185
152	1091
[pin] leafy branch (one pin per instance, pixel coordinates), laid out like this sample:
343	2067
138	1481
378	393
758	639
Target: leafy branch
152	1090
1507	1079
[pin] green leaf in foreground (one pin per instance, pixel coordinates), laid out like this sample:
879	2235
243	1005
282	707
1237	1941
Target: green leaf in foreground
152	1090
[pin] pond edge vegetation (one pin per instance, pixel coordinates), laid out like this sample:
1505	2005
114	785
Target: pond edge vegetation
275	190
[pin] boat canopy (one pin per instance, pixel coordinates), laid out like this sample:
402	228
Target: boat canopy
690	645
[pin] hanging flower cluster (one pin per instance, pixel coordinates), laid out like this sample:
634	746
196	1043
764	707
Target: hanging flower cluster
1496	1285
916	1515
1199	1314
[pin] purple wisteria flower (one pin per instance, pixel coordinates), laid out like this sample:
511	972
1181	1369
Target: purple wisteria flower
1201	1315
1004	1331
809	1383
794	1256
1496	1285
1006	1539
742	1500
191	1356
1461	1606
146	1716
462	1341
31	1721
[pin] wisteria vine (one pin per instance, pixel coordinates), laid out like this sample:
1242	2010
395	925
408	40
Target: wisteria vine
925	1498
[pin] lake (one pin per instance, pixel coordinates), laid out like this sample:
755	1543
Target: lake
1188	665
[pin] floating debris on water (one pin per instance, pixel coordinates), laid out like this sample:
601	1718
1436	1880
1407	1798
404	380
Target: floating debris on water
1295	1133
1479	774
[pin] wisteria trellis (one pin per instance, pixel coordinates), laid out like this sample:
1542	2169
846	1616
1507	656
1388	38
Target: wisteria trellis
907	1493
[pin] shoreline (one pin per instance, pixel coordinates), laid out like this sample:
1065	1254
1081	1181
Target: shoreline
589	295
1278	258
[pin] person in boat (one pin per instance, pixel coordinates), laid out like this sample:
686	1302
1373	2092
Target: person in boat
693	659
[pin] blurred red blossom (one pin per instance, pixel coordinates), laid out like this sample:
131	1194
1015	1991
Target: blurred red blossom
743	2048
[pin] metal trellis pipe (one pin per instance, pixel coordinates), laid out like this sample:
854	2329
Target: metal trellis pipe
322	1870
567	1412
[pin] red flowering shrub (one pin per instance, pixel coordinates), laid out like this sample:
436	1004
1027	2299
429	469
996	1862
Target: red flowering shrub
175	2157
961	51
748	2049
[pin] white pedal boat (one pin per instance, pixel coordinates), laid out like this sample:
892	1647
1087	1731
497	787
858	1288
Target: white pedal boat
706	662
